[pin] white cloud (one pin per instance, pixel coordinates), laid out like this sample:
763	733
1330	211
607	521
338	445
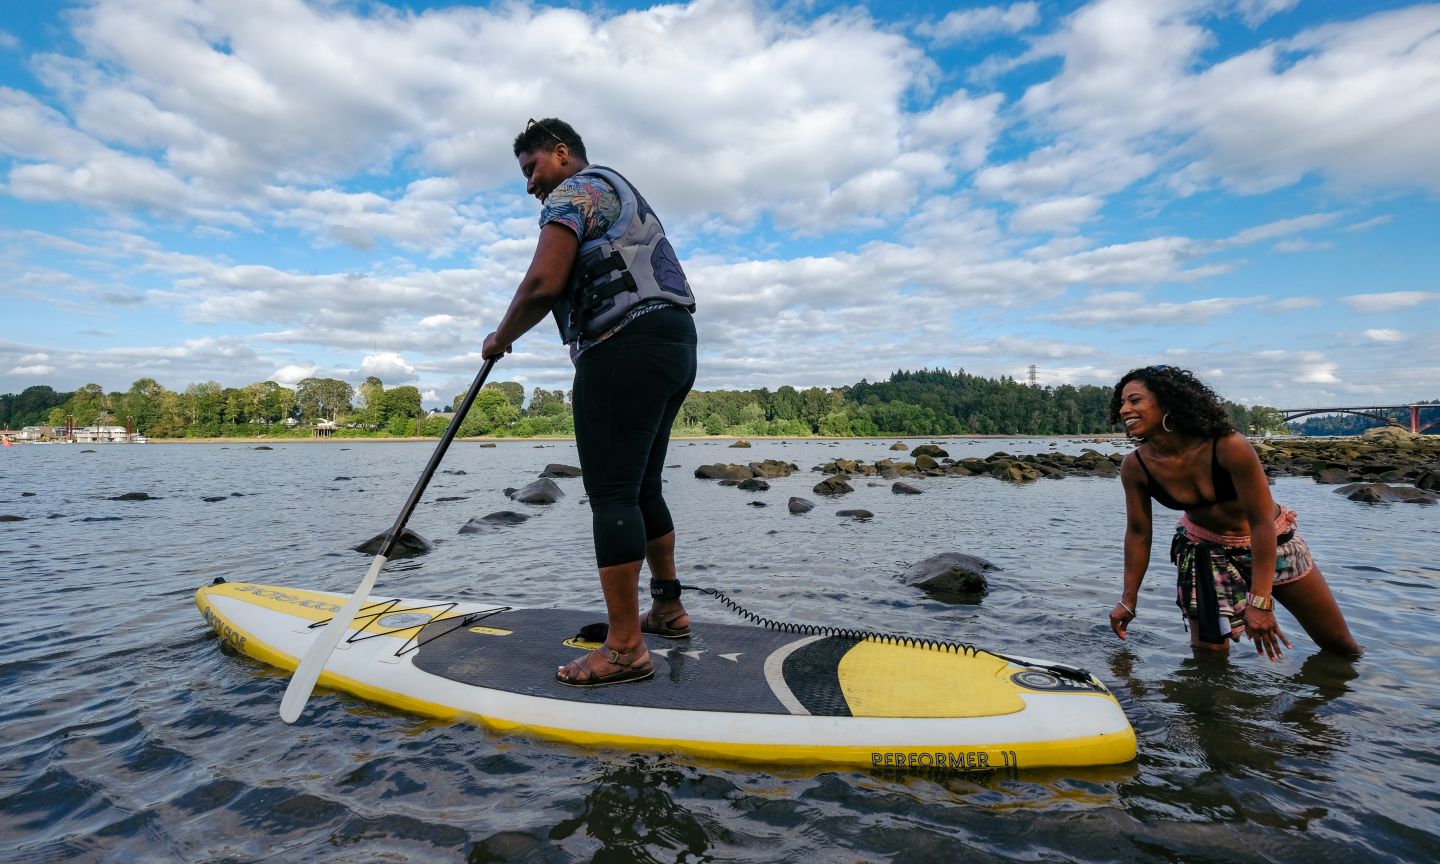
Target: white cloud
1385	335
1132	309
388	366
1293	304
291	375
965	24
1058	214
34	370
1388	301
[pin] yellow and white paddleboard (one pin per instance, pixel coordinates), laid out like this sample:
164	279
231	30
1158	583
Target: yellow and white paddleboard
735	692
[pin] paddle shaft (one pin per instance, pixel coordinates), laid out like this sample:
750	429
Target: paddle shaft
307	674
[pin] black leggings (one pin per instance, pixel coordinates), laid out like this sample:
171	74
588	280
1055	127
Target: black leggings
628	391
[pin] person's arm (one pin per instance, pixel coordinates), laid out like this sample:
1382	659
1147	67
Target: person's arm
1253	488
1137	544
543	284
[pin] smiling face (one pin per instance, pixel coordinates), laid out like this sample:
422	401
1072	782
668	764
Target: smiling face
546	169
1140	411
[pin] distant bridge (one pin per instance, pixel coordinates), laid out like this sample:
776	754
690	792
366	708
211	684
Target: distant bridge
1373	412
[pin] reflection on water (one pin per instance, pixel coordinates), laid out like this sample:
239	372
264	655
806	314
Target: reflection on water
132	733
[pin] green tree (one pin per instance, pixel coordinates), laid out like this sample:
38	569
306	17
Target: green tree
323	398
491	412
402	402
548	403
143	402
513	390
370	405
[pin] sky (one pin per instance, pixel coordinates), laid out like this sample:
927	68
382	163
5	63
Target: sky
248	190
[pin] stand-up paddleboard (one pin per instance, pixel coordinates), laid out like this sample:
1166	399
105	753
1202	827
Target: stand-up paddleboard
732	691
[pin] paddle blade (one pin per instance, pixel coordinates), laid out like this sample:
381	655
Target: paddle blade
302	683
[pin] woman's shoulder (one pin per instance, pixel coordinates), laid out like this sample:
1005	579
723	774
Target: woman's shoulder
1232	446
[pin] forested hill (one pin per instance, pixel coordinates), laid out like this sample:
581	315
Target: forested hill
926	402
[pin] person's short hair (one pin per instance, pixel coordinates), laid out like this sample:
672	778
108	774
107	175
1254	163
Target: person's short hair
548	134
1193	407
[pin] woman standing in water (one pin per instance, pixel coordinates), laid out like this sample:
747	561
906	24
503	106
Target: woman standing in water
1235	549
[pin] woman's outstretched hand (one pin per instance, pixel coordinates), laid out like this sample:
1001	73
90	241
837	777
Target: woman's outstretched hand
1120	618
1264	631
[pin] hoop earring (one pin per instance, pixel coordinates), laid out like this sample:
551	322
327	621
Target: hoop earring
1163	424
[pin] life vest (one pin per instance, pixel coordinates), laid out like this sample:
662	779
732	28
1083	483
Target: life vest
631	264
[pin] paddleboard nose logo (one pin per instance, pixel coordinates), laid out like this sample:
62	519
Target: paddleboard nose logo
403	620
1037	680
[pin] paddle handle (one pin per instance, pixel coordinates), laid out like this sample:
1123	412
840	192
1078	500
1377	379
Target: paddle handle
307	674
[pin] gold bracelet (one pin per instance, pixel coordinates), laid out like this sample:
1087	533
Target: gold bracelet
1260	601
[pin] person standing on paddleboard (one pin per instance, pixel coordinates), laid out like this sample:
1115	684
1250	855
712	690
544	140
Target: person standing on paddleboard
1236	551
606	272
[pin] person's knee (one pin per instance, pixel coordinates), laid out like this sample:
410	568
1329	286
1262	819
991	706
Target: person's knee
619	533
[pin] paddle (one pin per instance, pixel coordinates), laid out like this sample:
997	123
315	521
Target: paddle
302	683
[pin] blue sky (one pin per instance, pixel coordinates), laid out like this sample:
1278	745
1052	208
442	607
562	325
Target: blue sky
201	190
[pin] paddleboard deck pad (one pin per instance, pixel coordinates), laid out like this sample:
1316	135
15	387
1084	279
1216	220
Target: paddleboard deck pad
732	691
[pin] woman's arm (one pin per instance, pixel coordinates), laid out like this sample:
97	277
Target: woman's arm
543	284
1253	488
1137	544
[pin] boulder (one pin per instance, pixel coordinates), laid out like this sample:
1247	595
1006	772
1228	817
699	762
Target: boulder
931	450
903	488
754	484
926	463
261	447
11	517
719	471
1381	493
555	469
855	514
136	496
493	522
409	545
835	485
741	443
801	505
213	498
542	491
899	445
1429	480
772	468
950	576
1013	472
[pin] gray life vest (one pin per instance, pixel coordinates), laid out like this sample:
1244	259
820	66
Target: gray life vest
630	265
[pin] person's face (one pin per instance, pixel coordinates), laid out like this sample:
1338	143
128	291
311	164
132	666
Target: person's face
1140	411
544	169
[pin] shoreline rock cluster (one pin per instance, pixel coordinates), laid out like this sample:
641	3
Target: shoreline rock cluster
1365	468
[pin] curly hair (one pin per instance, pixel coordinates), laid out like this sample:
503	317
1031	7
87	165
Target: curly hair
1192	407
548	134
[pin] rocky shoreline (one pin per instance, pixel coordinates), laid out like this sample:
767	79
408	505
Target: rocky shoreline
1365	468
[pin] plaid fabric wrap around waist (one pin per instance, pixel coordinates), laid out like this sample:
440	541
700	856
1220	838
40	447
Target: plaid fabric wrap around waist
1214	572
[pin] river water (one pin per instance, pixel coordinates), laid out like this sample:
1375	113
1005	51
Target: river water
132	734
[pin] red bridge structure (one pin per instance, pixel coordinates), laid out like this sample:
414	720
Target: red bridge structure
1373	412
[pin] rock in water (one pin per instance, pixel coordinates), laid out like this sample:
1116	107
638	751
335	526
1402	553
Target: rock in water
136	496
903	488
409	545
834	485
542	491
952	576
556	469
801	505
1381	493
493	521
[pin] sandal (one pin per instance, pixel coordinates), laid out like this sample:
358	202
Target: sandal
657	626
633	670
653	623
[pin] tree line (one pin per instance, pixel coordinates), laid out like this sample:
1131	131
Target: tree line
919	403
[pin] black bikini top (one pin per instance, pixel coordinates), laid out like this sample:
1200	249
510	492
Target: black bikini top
1220	479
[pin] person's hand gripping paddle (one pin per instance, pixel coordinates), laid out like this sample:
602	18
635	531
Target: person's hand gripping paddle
302	683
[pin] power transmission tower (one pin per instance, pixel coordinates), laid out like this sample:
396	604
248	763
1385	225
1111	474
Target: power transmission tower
1032	374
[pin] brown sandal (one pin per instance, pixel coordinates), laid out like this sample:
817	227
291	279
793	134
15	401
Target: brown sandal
657	626
633	670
